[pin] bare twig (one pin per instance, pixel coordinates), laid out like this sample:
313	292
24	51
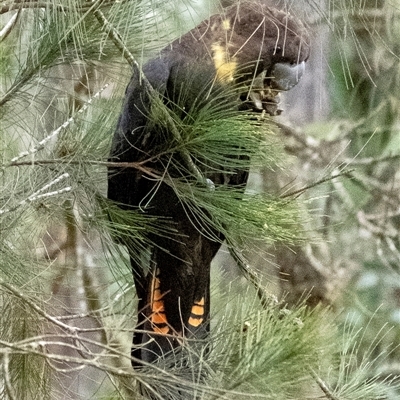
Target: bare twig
319	182
23	4
33	348
7	378
393	247
39	194
54	133
371	160
36	347
136	165
323	386
9	26
375	229
16	292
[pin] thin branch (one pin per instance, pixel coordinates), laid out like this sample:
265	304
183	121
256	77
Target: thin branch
383	190
382	216
33	349
72	330
116	38
59	341
136	165
319	182
250	274
54	133
393	247
40	195
7	378
23	4
371	160
323	386
161	375
379	231
35	307
8	27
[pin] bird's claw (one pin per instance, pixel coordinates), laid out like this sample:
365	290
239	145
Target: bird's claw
266	86
266	100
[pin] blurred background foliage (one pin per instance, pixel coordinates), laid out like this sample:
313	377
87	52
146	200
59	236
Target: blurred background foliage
328	324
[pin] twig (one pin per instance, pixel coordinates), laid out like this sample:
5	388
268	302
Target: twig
319	182
160	374
72	330
375	229
39	194
136	165
393	247
33	349
371	160
9	26
250	274
323	386
7	378
116	38
23	4
381	216
43	142
35	307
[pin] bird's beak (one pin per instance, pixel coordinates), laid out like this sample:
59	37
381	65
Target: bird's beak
265	87
285	76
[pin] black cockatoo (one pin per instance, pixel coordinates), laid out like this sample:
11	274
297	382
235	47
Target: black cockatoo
255	50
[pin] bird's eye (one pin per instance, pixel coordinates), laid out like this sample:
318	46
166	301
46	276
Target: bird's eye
277	50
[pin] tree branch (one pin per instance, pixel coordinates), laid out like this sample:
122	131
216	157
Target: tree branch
54	133
7	379
29	4
323	386
35	307
9	26
319	182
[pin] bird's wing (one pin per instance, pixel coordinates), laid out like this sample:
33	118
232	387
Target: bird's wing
132	141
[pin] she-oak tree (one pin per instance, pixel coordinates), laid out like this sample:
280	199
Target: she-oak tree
54	147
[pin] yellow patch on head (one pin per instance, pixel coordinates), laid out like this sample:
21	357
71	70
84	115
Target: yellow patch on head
226	24
225	68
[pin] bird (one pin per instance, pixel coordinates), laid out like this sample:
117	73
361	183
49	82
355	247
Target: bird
241	57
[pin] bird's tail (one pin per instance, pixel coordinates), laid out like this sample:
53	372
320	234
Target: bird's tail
173	308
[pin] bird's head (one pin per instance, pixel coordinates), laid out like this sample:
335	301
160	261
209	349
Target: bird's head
263	48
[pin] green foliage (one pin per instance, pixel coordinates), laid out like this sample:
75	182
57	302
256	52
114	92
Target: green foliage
361	223
263	349
273	353
56	128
